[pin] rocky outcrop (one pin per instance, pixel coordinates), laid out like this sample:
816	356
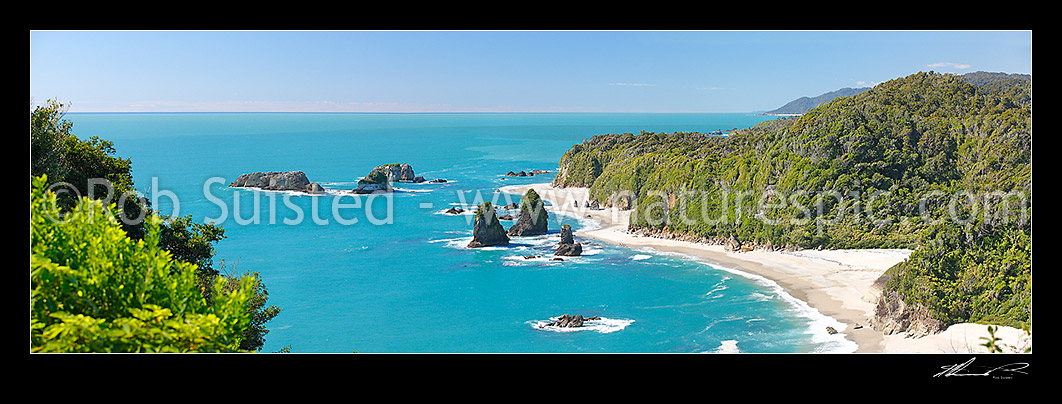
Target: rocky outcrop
732	244
729	243
571	321
533	216
380	178
375	182
486	230
396	172
892	315
278	181
568	246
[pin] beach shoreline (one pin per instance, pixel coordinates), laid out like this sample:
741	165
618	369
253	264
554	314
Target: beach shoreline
839	284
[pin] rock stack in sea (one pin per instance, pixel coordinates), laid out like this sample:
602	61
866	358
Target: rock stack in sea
278	181
380	178
375	182
568	246
533	217
571	321
486	230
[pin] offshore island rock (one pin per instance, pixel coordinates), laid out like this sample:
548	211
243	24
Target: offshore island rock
278	181
380	178
533	216
571	321
567	245
486	229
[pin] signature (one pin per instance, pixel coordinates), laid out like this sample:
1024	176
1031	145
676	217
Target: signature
964	369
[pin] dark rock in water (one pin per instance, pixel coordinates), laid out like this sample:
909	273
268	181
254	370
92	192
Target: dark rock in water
277	181
512	206
567	245
454	210
486	230
315	188
566	235
418	179
436	181
505	217
527	257
533	216
519	174
537	172
557	259
570	250
831	330
571	321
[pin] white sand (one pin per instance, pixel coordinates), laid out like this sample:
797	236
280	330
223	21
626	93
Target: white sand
838	283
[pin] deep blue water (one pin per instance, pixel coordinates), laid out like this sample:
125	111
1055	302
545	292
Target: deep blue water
390	273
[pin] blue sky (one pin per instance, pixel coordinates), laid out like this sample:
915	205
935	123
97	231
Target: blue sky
491	71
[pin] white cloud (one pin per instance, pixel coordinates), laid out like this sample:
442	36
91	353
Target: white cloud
949	64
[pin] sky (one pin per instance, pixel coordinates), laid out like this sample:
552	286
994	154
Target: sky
490	71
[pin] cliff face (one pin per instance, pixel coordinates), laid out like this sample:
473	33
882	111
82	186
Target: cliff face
892	315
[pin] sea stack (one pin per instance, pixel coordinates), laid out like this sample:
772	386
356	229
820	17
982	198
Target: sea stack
278	181
567	245
375	182
533	216
380	178
486	230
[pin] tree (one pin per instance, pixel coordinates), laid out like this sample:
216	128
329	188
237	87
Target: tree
95	289
60	157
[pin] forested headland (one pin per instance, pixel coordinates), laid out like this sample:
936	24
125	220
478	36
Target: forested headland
937	163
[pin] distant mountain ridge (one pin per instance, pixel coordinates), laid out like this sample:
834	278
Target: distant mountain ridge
803	104
981	79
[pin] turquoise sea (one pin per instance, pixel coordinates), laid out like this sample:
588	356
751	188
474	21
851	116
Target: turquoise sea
390	274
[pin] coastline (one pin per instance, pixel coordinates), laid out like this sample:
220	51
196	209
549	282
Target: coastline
839	284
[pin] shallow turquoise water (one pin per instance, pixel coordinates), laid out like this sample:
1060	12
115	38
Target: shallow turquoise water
391	274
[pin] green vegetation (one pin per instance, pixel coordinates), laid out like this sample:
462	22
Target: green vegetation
928	162
95	289
374	177
533	205
71	286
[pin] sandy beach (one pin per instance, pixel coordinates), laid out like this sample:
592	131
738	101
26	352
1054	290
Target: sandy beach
837	283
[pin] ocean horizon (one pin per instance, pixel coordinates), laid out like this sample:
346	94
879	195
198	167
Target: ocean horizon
391	273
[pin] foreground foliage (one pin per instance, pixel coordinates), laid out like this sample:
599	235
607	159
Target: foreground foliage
79	167
95	289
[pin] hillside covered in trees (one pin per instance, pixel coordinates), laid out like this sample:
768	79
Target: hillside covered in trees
937	163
